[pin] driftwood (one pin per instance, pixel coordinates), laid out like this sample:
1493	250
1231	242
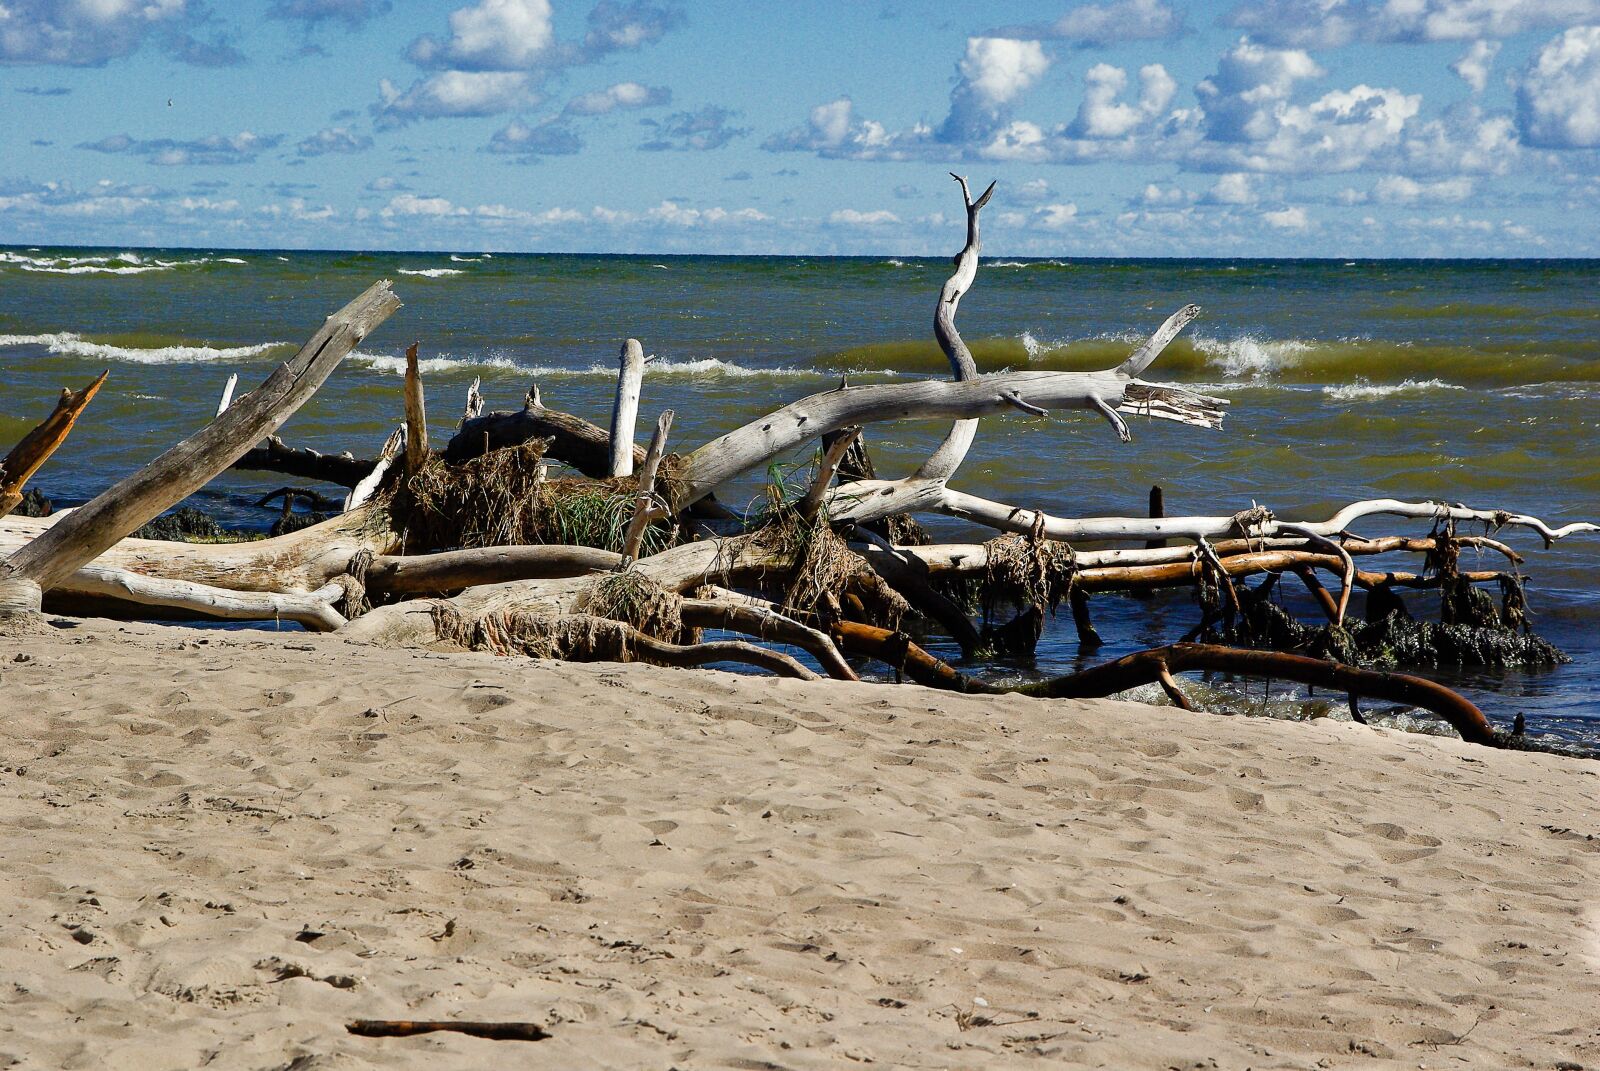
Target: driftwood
405	1028
88	531
801	583
36	447
625	410
305	464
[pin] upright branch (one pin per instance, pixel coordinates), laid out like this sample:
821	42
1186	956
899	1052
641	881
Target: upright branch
645	508
416	414
37	446
88	531
625	409
948	457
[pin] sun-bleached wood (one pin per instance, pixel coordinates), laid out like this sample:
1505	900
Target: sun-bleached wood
89	530
625	408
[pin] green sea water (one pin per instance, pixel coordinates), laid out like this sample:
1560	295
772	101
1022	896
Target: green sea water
1464	381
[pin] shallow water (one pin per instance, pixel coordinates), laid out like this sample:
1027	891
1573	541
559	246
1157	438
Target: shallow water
1472	381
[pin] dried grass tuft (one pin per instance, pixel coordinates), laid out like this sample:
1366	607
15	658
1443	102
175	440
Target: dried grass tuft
635	599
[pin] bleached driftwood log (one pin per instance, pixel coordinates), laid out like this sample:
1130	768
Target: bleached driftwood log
88	531
625	409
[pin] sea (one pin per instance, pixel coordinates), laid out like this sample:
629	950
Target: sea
1464	381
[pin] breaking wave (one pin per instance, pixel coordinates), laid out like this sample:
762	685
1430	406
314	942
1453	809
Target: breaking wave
103	264
67	344
431	273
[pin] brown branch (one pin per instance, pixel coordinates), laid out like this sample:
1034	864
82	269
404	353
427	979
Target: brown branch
404	1028
416	414
37	446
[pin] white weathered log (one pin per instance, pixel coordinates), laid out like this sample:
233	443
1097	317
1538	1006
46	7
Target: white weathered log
625	409
301	561
1113	529
313	610
227	394
364	490
474	406
817	493
89	530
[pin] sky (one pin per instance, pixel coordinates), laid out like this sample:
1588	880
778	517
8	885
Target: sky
1114	128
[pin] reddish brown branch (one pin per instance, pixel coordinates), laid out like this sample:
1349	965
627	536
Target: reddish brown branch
37	446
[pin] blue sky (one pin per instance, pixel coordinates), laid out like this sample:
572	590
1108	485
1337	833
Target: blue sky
1117	127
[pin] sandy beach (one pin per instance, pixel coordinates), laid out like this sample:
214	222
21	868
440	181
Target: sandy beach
220	847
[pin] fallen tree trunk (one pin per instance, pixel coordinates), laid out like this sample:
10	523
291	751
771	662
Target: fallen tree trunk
35	448
305	464
88	531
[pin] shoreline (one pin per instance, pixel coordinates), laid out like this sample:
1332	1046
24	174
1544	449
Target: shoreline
225	845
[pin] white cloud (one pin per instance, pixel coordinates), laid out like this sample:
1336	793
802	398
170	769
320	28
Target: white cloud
1292	218
335	139
1055	217
1558	95
1473	66
696	131
548	138
450	94
409	204
1243	101
1156	196
1031	192
850	217
1102	115
620	96
675	214
492	35
994	72
85	33
1400	190
1235	188
1095	25
1331	23
240	148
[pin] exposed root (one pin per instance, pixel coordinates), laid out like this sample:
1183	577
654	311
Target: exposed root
634	599
586	638
823	573
502	498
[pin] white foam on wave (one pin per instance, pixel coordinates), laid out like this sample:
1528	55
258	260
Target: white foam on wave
705	367
67	344
431	273
468	260
1247	357
113	264
1361	390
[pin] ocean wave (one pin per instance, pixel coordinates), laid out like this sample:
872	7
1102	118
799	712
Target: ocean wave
67	344
703	368
470	260
108	264
1362	390
1248	357
431	273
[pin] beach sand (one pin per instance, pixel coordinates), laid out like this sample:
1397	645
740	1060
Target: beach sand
217	848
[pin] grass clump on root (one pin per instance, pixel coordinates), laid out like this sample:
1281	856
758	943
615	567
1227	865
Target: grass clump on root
634	599
502	499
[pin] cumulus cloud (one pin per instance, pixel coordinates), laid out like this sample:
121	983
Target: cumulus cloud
548	138
1103	115
1401	190
353	13
619	96
90	33
1245	99
676	214
693	131
1055	217
1473	66
834	131
1235	188
617	26
241	148
1331	23
1098	25
454	94
1558	95
1293	218
851	217
333	139
491	35
994	73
